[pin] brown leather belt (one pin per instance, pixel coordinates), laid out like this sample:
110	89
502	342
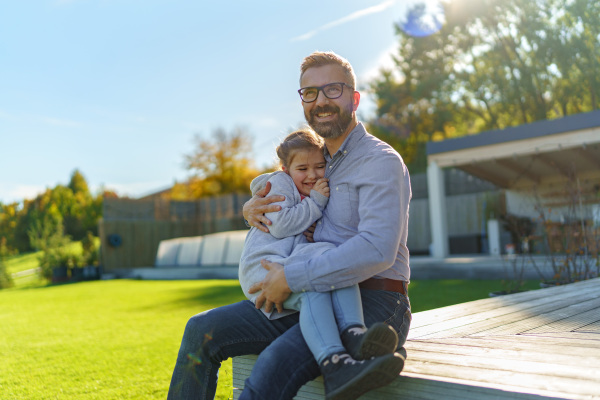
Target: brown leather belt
391	285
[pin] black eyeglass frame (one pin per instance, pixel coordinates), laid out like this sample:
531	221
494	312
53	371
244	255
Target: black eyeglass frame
320	89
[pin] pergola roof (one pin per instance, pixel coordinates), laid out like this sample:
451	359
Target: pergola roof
535	154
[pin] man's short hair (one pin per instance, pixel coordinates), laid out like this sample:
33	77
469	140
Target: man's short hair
322	58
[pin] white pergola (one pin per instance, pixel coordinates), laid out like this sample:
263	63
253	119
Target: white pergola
538	155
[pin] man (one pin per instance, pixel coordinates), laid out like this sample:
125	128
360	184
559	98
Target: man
366	218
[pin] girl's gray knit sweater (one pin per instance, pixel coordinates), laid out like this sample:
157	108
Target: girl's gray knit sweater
285	238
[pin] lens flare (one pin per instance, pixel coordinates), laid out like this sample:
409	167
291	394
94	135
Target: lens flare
194	359
422	18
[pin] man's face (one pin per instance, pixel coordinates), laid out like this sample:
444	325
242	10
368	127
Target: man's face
330	118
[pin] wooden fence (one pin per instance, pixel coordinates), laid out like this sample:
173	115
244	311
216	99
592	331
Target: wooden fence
131	230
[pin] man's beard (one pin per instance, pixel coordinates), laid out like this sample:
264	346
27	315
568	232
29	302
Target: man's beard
332	129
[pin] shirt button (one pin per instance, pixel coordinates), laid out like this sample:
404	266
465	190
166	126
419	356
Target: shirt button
331	166
332	287
345	151
337	188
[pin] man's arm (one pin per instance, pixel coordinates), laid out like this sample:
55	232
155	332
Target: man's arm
275	289
383	201
254	209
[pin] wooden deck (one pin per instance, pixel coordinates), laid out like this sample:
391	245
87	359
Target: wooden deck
533	345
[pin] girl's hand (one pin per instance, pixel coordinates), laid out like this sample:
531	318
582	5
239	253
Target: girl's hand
322	186
310	232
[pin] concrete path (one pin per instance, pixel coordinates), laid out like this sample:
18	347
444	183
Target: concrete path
422	267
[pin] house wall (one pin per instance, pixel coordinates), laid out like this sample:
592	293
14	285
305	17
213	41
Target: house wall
470	202
467	216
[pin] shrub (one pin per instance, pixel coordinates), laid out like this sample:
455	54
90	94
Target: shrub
91	250
5	278
58	257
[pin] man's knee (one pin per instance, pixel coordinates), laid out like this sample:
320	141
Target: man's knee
195	327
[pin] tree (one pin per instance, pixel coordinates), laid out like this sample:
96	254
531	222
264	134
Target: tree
6	280
78	184
494	64
9	217
71	209
220	165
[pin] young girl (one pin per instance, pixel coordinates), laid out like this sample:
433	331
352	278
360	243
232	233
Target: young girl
332	322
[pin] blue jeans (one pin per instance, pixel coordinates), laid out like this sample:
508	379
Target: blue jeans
285	362
324	316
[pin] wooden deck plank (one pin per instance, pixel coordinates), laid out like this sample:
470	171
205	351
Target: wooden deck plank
491	362
593	327
485	321
573	322
591	336
495	350
525	382
530	343
543	320
461	390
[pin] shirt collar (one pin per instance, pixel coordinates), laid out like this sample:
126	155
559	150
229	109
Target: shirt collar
351	141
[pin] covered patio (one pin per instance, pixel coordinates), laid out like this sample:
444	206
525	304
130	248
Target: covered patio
538	159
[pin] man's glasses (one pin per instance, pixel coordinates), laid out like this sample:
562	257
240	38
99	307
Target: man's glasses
331	91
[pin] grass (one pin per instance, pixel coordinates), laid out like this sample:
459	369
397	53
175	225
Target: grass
22	262
428	294
119	339
102	339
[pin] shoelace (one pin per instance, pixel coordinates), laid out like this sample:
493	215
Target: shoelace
346	358
357	331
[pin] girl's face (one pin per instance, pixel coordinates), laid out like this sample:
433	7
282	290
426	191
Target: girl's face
305	168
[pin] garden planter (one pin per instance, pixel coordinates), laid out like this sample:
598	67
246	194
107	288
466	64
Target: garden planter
91	272
60	274
77	274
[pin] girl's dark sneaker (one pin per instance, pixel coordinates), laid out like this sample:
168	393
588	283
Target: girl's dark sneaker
347	379
363	344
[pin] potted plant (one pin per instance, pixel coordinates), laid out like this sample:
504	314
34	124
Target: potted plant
60	265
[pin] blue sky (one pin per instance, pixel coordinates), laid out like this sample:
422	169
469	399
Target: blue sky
119	88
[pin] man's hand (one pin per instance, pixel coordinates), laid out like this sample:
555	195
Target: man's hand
275	289
310	232
322	186
254	209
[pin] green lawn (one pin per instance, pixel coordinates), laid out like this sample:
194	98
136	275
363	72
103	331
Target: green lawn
100	340
429	294
22	262
28	261
119	339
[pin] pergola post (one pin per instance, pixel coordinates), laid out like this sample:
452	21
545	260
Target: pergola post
437	210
